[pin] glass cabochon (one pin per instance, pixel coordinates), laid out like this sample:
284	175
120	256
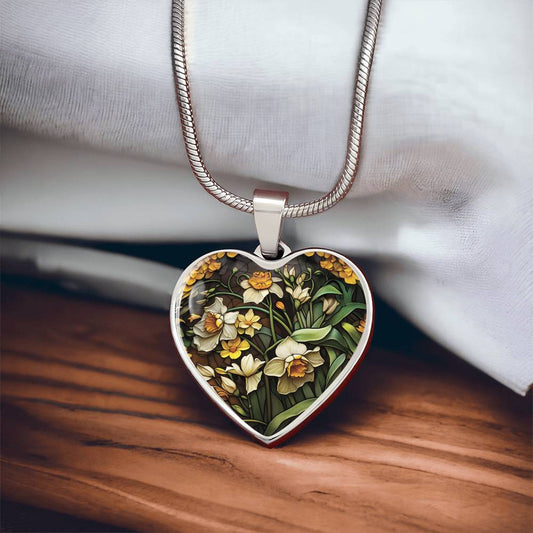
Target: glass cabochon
270	342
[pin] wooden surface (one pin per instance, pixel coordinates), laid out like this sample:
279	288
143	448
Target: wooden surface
101	421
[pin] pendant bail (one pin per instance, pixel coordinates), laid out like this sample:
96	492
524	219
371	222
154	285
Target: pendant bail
268	216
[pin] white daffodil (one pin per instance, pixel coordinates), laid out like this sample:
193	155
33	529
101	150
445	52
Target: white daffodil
259	285
299	294
300	279
294	365
216	324
206	372
288	272
250	370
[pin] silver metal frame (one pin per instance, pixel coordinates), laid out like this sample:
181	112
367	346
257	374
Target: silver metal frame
270	440
268	210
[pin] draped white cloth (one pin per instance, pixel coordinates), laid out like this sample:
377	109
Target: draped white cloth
442	206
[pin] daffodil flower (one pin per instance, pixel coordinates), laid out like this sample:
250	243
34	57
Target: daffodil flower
337	267
234	348
216	324
249	323
259	285
299	294
294	365
250	370
288	272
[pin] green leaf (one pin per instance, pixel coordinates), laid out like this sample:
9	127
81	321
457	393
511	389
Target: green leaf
290	413
238	409
256	406
344	311
299	395
334	368
310	334
326	289
277	406
350	329
320	381
308	393
317	315
331	354
349	341
335	340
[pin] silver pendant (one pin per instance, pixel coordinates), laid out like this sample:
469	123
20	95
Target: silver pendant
272	340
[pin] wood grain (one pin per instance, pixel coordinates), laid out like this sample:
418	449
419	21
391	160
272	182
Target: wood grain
101	421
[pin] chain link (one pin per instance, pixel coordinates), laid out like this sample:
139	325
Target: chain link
345	182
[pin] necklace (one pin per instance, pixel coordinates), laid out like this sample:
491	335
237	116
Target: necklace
272	336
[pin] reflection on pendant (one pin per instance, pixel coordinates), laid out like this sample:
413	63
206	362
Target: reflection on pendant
271	341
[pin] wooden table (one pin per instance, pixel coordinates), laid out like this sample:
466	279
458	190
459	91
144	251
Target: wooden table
100	421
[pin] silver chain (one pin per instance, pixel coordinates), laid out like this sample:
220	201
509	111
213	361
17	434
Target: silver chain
345	182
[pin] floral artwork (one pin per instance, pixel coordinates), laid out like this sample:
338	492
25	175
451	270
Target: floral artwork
270	342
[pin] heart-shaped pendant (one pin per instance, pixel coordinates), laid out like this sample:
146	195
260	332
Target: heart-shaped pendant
272	341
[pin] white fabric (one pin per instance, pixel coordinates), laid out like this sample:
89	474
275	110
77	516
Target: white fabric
442	203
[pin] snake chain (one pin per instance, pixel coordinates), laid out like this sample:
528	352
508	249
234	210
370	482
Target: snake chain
345	181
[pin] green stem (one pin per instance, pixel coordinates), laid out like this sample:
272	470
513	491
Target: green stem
245	407
272	346
268	392
274	338
253	344
291	399
289	321
254	421
300	319
231	293
229	279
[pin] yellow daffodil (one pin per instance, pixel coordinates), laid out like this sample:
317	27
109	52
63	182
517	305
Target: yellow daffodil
204	270
294	365
194	317
259	285
248	323
337	267
234	347
280	305
361	327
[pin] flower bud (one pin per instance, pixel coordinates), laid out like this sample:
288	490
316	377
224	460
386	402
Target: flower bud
329	305
206	371
228	384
